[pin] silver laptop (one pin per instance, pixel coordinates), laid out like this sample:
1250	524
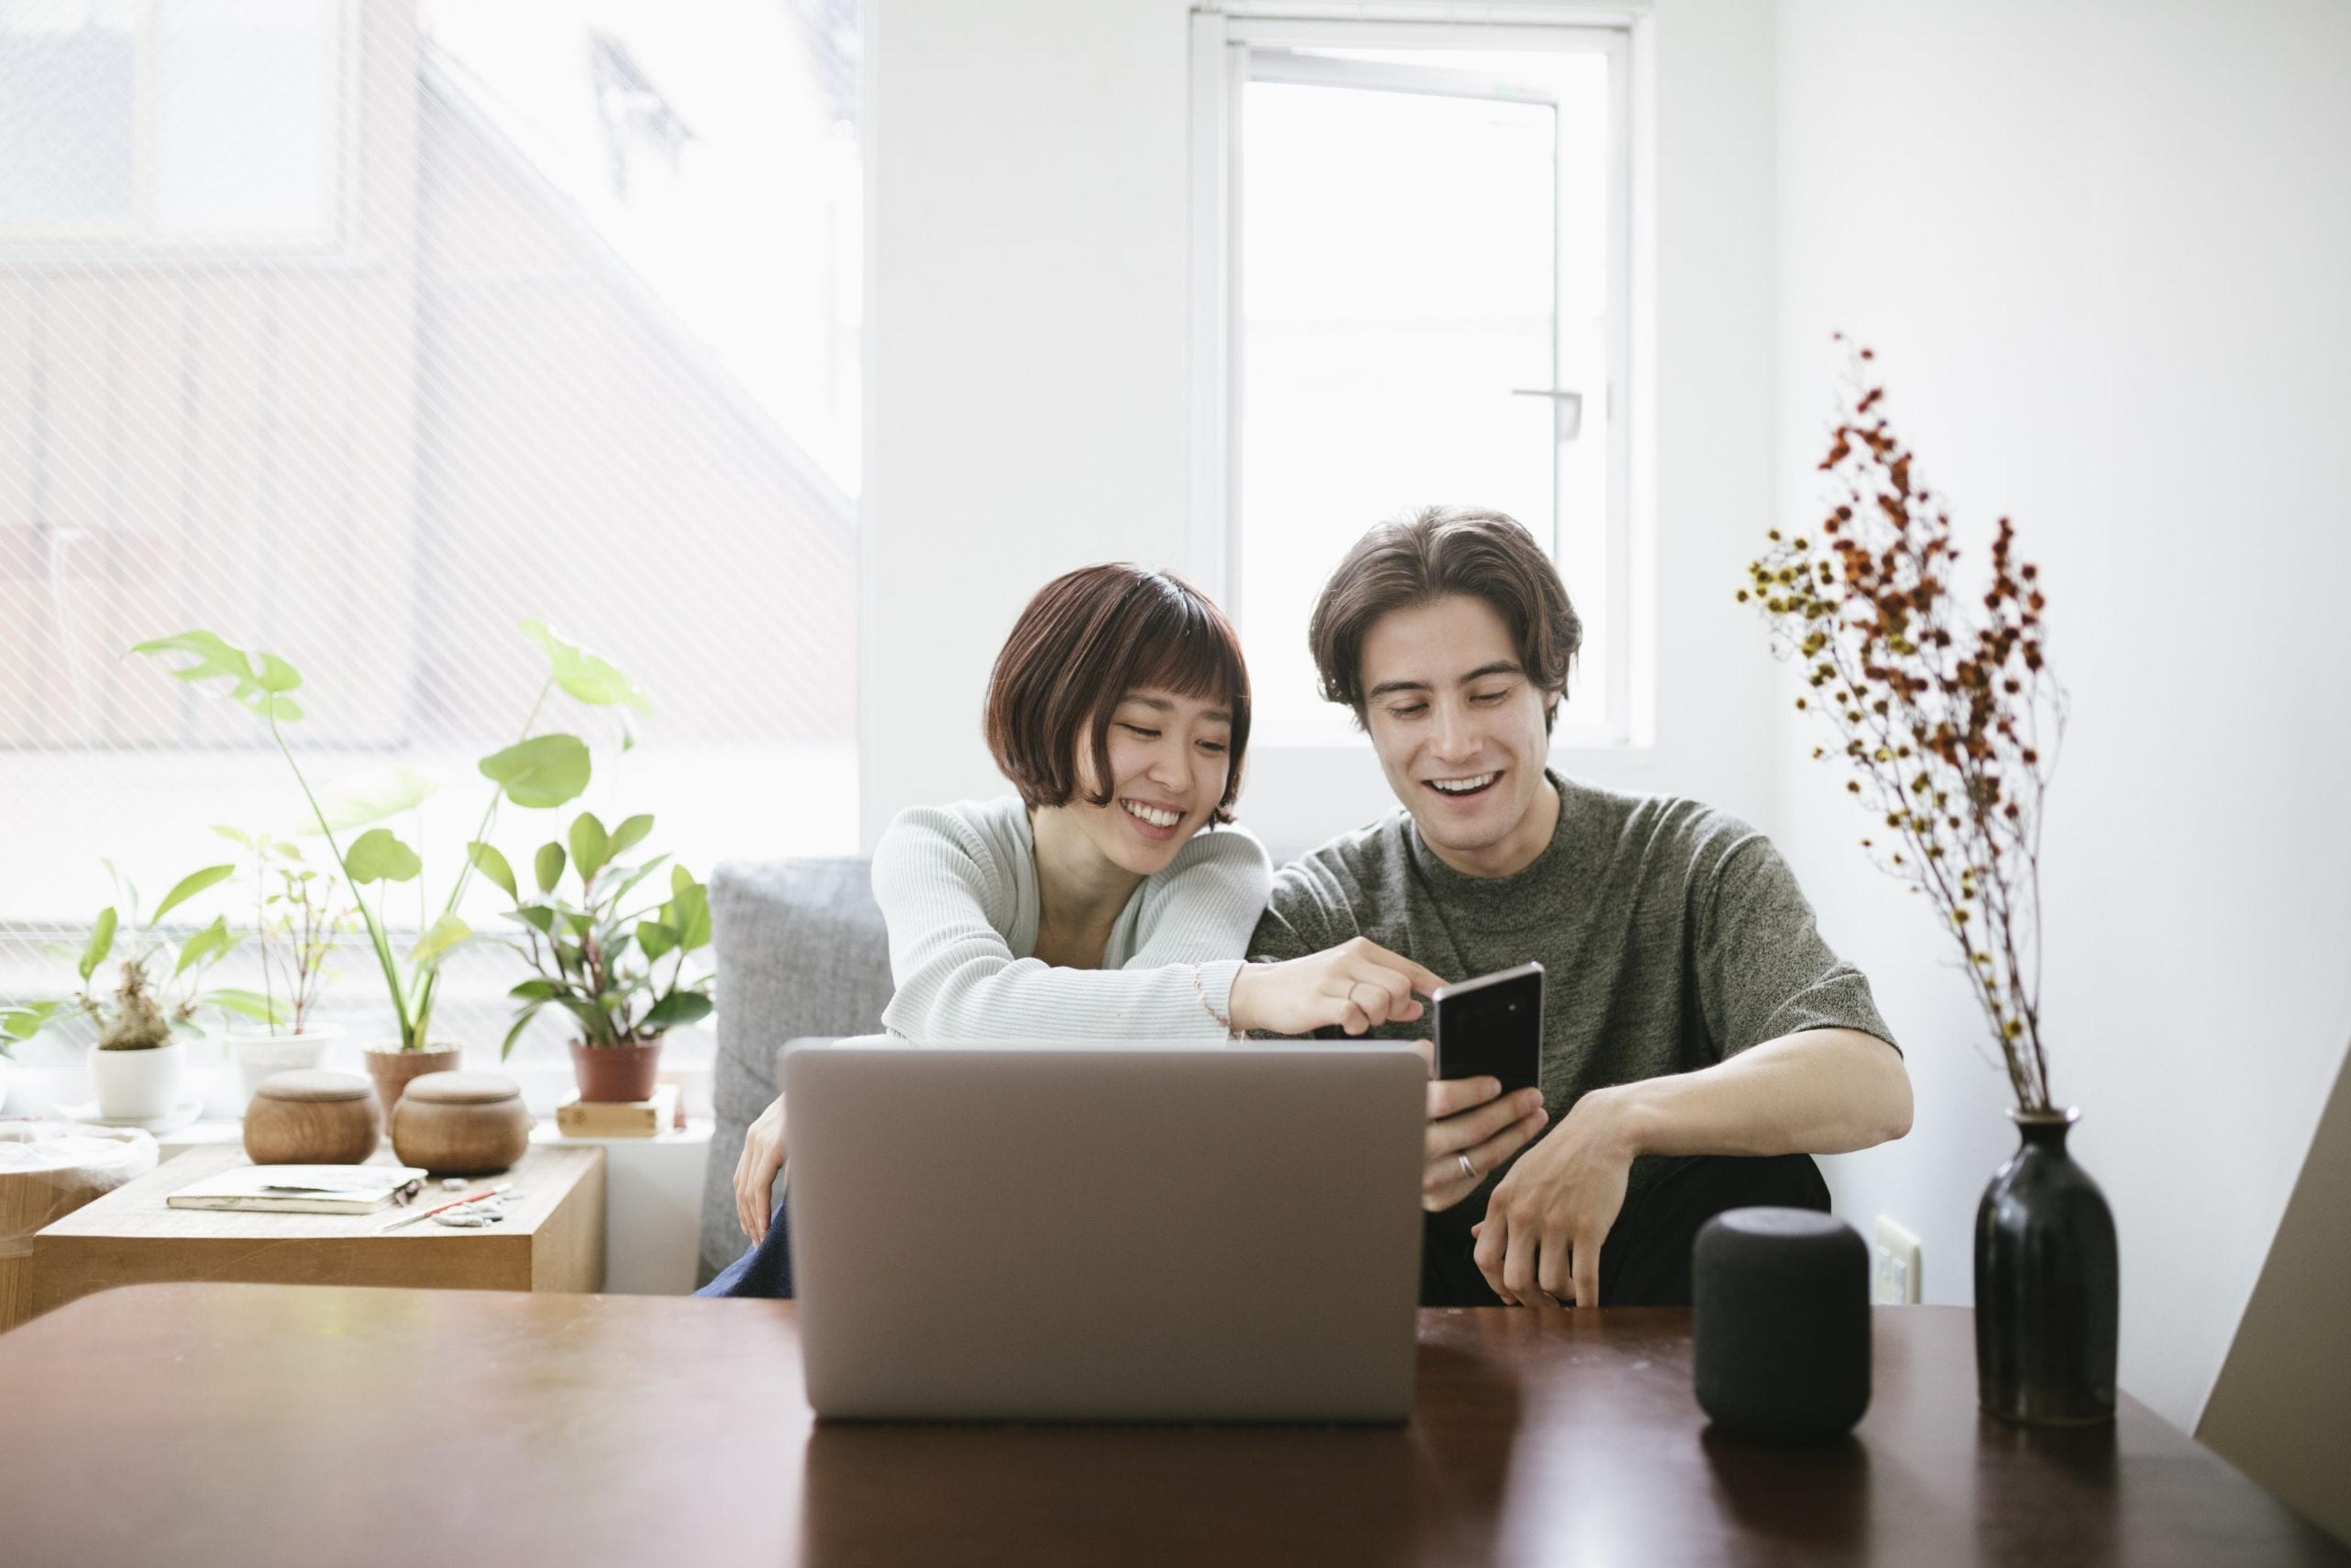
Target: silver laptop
1127	1232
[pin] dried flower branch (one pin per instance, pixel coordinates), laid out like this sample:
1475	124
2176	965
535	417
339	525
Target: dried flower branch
1950	720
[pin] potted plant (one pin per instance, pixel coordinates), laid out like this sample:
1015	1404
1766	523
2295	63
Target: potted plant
536	772
19	1022
142	1024
1950	722
297	922
602	963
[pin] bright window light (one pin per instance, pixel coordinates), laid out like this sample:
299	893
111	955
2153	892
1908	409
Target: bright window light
580	343
1427	309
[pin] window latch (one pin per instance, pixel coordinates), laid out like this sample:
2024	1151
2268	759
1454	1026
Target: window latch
1567	406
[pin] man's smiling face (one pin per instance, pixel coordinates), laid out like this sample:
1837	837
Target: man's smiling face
1459	731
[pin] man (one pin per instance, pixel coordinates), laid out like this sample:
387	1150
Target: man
1701	1041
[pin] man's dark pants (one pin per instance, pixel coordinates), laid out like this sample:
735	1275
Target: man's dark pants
1646	1262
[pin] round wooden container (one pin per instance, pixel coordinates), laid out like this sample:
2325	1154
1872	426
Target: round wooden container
312	1118
461	1123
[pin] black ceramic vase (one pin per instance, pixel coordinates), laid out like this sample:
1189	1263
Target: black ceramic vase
2047	1285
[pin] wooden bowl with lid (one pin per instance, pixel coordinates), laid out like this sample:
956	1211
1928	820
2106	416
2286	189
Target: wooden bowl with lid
312	1118
461	1123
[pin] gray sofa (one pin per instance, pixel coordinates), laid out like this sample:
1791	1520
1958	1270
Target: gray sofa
800	951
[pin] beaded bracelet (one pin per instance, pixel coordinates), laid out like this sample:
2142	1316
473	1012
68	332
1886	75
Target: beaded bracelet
1200	990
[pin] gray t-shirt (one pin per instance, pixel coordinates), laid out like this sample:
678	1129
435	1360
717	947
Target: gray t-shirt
1671	936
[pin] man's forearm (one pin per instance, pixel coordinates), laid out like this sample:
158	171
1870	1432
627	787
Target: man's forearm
1818	1092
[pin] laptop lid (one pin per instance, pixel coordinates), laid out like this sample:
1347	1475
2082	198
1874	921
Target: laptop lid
1129	1232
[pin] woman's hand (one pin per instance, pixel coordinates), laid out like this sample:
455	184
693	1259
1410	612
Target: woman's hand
755	1173
1353	986
1471	1119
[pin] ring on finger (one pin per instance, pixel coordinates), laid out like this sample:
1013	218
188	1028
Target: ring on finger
1466	1168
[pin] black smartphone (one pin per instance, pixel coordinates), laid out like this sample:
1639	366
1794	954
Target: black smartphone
1491	1027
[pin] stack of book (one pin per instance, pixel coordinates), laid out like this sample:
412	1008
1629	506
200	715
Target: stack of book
578	1118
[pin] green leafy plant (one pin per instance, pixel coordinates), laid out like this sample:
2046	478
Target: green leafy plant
21	1021
297	923
159	989
537	771
591	957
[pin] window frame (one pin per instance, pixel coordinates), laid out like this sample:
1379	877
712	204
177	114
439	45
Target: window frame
135	236
1222	40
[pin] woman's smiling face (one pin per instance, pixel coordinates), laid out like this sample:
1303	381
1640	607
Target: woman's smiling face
1169	757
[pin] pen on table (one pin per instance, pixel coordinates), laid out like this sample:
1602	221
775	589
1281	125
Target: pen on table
443	1208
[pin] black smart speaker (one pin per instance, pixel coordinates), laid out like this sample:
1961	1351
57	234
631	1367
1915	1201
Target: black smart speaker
1780	1299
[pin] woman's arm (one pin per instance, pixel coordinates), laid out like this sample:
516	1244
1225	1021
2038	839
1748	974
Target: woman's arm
945	902
944	896
1202	908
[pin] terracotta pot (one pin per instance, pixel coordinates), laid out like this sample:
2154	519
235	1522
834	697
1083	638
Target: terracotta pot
608	1074
461	1123
261	1054
132	1083
393	1068
312	1119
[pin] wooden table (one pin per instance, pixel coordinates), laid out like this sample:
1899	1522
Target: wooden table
551	1239
248	1425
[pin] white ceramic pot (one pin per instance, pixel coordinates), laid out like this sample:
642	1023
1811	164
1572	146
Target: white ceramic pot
132	1083
260	1053
4	1083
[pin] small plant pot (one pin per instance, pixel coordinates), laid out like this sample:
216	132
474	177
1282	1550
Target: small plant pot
137	1083
391	1068
259	1054
615	1074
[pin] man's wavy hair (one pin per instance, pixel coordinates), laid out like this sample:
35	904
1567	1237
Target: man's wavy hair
1088	639
1437	551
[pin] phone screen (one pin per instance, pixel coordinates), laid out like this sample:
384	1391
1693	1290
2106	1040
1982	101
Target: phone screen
1492	1027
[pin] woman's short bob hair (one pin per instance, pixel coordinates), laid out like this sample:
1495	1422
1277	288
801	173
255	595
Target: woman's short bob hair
1085	641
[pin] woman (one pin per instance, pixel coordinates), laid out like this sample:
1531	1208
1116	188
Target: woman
1111	898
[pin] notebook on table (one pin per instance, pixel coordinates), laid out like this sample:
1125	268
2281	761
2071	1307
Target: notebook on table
303	1189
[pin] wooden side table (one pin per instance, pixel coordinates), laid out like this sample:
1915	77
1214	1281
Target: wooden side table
551	1239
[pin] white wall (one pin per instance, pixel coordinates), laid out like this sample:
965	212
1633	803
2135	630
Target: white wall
2103	250
1027	227
1029	210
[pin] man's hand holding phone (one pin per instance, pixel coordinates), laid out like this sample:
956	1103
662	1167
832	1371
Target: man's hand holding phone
1473	1127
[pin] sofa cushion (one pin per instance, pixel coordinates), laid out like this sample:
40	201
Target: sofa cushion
800	951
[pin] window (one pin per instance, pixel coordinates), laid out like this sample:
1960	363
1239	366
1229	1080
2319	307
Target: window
588	350
174	123
1413	289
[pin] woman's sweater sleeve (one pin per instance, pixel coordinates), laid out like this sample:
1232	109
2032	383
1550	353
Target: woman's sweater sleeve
947	905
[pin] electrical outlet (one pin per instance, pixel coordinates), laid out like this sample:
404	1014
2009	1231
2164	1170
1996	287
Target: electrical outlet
1894	1279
